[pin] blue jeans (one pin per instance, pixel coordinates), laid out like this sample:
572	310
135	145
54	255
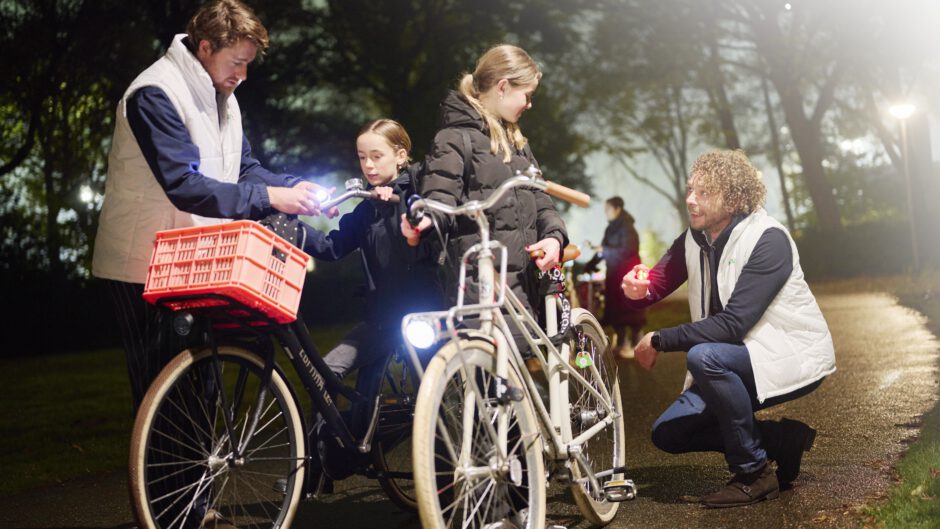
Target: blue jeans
716	414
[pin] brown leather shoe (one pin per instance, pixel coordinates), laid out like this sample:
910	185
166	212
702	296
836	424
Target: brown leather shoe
745	489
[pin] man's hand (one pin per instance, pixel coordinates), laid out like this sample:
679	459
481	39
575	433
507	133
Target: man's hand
384	192
413	233
644	353
295	200
320	193
636	283
552	252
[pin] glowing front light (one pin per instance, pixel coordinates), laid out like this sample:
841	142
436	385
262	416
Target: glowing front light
322	195
421	333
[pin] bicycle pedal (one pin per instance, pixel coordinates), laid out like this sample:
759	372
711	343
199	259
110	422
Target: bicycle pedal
620	490
506	393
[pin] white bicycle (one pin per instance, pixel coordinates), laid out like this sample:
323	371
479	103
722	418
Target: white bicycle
485	441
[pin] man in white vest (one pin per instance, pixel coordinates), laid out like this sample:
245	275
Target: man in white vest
757	337
179	158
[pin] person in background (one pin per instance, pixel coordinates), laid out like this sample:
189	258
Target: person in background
757	337
620	251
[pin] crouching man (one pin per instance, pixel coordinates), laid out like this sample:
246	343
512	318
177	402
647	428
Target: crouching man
757	338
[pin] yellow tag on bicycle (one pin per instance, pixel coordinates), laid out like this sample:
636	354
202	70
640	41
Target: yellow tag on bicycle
583	360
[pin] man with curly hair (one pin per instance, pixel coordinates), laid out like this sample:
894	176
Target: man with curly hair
757	337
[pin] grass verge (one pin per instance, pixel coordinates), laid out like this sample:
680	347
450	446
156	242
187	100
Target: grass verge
914	501
69	415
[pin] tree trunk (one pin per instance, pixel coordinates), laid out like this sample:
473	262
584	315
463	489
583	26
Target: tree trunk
718	97
807	137
778	155
53	239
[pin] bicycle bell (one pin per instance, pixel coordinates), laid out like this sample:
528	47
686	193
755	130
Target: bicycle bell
354	184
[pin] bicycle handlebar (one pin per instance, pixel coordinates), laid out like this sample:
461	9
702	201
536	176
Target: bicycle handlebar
531	177
567	194
357	193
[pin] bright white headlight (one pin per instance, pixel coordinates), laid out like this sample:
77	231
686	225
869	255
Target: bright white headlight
322	195
421	333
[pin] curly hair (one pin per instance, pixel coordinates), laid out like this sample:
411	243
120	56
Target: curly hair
731	176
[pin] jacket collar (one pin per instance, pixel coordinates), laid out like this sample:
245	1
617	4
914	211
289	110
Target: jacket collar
731	233
197	78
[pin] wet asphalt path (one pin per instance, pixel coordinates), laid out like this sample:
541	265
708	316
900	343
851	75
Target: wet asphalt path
887	376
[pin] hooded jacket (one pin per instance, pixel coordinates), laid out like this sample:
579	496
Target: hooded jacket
523	217
399	278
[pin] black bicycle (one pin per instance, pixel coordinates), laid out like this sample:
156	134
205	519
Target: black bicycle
221	435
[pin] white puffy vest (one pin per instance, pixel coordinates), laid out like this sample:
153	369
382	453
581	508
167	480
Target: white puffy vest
790	346
135	206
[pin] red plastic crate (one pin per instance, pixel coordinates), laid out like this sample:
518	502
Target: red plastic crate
234	259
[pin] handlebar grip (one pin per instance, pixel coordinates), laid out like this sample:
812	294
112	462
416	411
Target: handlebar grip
567	194
394	199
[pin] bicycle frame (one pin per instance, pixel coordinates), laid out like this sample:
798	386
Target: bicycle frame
494	300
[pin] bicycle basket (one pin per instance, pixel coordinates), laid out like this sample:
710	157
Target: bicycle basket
241	260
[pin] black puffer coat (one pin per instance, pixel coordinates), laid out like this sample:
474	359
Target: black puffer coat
523	217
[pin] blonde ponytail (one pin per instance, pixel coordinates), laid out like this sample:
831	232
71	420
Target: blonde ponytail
500	62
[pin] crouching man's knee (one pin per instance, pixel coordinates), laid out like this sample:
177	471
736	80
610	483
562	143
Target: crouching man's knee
668	439
702	358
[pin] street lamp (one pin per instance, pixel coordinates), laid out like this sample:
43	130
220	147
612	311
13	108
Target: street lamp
901	112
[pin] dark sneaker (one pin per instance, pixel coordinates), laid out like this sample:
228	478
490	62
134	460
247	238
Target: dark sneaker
745	489
795	439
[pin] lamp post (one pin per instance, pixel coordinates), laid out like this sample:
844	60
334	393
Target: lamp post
902	112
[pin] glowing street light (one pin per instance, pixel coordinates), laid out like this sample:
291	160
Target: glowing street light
901	112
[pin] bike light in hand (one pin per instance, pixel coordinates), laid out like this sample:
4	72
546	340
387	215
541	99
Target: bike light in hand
321	195
421	333
642	274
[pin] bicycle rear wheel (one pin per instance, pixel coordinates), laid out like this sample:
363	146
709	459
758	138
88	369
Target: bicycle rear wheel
391	452
184	469
605	450
463	477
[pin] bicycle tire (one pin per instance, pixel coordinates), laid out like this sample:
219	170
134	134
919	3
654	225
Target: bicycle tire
516	483
275	453
605	450
391	451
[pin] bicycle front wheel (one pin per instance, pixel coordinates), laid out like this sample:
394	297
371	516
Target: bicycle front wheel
464	476
187	471
605	450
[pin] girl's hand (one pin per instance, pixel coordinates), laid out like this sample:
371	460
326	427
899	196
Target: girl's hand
552	249
413	233
384	192
636	283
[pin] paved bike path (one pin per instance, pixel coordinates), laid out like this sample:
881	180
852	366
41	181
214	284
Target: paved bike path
887	376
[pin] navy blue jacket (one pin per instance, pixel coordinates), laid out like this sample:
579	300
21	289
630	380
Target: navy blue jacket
174	160
400	278
761	279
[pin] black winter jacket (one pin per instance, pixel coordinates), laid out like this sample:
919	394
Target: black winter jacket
523	217
400	278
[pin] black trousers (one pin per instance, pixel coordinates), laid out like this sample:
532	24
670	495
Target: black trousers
149	345
147	336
